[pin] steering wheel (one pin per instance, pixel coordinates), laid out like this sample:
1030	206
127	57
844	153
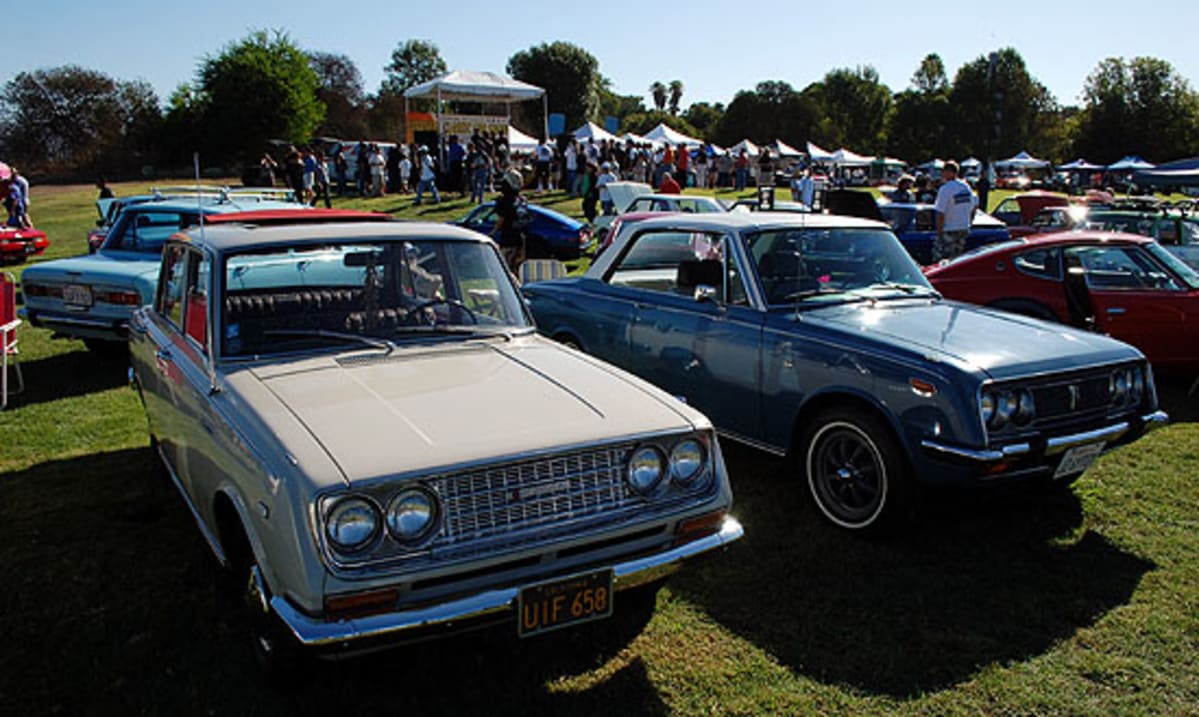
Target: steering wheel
474	319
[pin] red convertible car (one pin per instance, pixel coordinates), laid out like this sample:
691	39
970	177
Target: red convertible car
1123	285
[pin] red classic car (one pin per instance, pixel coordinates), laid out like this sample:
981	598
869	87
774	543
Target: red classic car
1123	285
18	244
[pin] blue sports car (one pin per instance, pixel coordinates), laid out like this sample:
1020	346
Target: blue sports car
818	338
548	234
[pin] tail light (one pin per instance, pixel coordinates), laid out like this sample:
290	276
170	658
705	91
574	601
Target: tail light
39	290
584	236
120	298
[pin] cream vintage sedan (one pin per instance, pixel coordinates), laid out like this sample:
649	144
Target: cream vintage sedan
369	432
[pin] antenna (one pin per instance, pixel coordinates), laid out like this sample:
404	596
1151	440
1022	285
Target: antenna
199	195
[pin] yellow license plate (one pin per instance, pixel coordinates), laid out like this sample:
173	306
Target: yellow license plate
564	602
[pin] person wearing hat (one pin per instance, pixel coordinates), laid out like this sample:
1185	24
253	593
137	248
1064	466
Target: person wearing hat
606	177
428	175
507	220
903	190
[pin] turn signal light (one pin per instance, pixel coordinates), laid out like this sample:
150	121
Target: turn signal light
698	527
364	603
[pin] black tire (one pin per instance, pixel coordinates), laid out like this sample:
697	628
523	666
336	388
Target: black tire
275	652
855	470
568	340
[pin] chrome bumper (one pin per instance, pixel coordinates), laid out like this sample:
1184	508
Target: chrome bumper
492	603
1053	446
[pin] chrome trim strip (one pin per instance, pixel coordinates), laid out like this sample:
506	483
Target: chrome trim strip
315	632
992	455
1155	420
1109	433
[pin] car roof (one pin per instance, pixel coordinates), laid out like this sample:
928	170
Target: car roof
675	197
240	236
210	205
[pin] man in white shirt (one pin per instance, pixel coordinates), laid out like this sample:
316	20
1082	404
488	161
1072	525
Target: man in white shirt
428	176
955	207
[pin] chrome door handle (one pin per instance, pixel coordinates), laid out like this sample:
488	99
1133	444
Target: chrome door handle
1116	310
163	354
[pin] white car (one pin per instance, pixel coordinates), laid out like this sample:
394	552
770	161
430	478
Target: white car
369	432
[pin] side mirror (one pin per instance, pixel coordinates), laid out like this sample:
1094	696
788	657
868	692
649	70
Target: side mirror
704	292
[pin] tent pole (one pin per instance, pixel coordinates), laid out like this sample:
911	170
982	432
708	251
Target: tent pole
440	144
407	138
545	115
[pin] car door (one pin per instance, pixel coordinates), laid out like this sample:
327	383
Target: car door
1131	296
693	332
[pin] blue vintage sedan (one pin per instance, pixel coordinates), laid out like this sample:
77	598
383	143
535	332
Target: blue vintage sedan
92	297
818	338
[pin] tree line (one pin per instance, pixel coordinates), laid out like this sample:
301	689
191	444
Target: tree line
73	120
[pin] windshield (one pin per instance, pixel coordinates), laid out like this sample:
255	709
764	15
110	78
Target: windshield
1181	268
370	293
823	264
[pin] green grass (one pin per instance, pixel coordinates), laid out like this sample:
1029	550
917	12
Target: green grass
1077	603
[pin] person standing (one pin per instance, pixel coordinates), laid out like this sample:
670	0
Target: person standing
955	207
105	190
293	164
342	169
742	167
543	155
320	182
428	176
507	220
571	159
603	180
378	165
479	166
590	192
405	172
21	183
682	165
807	188
701	167
669	185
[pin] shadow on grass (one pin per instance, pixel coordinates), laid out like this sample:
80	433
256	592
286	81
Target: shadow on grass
113	605
1174	395
74	373
979	580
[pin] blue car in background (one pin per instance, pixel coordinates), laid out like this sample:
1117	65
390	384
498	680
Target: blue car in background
817	337
92	297
548	234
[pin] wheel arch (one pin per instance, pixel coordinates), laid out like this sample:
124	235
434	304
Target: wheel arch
819	403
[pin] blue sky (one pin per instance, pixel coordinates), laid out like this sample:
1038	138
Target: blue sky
715	48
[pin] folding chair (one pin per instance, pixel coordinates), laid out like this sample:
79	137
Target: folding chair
541	270
8	337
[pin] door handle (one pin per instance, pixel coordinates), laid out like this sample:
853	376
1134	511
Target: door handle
1116	311
163	354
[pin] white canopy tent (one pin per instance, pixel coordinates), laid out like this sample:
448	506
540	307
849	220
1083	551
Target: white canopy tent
1131	162
519	141
750	148
634	138
594	132
848	158
1023	160
477	87
970	163
663	133
819	155
1079	165
782	149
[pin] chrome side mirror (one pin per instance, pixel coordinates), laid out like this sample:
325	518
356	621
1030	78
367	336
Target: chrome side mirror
703	293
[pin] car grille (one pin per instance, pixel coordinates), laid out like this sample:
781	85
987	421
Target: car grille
530	499
1069	400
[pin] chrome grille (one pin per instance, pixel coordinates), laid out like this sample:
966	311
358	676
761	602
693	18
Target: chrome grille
495	501
1068	400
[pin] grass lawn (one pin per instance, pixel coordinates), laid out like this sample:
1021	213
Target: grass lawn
1083	602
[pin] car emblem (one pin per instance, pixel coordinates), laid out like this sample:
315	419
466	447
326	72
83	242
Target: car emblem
534	492
1075	395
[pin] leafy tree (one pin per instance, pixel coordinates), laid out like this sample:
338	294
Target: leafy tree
772	110
340	89
916	129
930	77
568	73
260	88
855	105
658	91
618	106
1140	106
71	118
704	116
1001	107
676	95
412	62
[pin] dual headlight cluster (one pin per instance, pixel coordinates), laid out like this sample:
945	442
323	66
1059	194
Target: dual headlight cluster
1126	386
352	523
649	466
1001	407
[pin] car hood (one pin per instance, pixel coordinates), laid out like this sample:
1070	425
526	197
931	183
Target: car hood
96	268
1000	344
439	406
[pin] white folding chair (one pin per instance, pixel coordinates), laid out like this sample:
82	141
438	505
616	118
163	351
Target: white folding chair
541	270
8	338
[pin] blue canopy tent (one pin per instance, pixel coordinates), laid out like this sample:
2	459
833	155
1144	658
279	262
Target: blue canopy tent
1183	172
1130	163
1080	165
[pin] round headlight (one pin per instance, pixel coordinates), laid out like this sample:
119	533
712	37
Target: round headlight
686	460
352	523
646	468
1025	407
1117	386
1005	407
986	406
411	514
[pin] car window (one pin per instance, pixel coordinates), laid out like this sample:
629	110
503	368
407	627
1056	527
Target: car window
195	312
1044	263
147	232
639	205
1116	268
1188	232
1008	206
810	262
300	298
676	262
171	287
900	218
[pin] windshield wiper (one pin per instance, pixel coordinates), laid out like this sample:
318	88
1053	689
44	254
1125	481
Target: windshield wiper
321	333
806	293
452	330
897	286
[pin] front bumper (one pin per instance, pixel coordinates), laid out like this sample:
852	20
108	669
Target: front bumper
1113	435
491	605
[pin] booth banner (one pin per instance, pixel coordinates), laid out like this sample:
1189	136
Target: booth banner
465	125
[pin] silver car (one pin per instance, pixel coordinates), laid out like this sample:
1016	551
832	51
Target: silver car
368	430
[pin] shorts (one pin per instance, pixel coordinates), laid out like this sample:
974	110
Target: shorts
949	244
